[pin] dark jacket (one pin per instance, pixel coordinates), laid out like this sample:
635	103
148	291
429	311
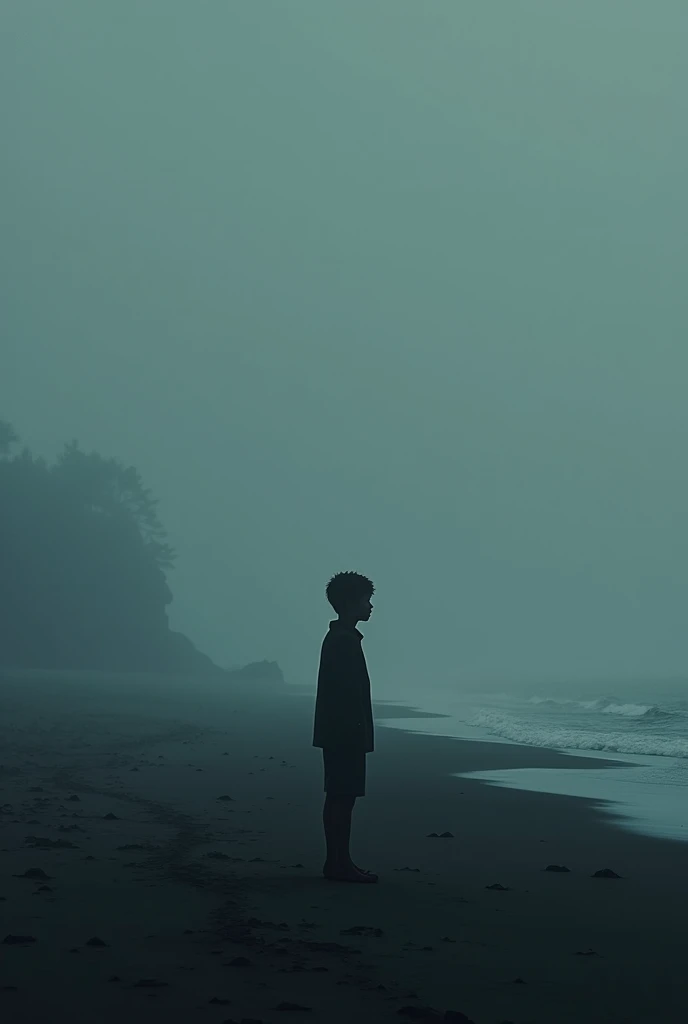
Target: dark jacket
343	708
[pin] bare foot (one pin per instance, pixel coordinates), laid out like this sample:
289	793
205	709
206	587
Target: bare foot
363	870
347	873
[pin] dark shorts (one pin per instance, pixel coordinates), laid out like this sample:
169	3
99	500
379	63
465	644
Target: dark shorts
345	771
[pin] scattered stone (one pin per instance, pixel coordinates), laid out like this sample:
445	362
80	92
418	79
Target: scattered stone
47	844
518	981
114	977
74	798
458	1018
217	855
605	873
225	797
110	816
239	961
8	988
330	947
35	789
293	1008
445	938
424	1013
497	886
44	888
34	873
96	942
587	952
294	865
362	929
145	847
75	949
407	869
150	983
255	922
220	1002
18	940
557	867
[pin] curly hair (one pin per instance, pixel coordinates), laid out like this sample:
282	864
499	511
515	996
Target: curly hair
345	587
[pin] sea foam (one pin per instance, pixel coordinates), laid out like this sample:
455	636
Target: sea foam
549	734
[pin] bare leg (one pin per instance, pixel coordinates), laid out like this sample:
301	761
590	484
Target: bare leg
337	824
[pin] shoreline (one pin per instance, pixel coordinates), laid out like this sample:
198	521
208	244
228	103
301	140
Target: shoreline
644	793
447	941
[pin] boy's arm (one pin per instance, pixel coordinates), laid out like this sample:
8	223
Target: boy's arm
340	695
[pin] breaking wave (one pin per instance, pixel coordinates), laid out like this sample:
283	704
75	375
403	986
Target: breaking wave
551	734
608	706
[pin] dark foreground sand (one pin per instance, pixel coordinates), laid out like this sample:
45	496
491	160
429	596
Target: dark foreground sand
154	884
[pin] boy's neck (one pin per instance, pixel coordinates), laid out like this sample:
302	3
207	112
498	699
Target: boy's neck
348	621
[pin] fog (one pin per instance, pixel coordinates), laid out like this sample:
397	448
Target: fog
392	287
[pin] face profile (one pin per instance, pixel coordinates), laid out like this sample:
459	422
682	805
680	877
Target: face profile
350	595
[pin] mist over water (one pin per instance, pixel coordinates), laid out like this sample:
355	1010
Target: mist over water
295	288
387	287
393	287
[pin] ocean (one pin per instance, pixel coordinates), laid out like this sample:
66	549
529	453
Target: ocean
642	724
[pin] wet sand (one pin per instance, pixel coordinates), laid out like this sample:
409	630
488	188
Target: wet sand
160	849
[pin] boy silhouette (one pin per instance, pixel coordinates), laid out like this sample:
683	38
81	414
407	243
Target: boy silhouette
344	720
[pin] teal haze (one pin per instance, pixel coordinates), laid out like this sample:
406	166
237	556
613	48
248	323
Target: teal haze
384	286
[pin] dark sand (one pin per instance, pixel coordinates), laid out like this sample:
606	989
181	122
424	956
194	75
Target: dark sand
207	880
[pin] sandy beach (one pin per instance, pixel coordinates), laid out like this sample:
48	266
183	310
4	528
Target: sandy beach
160	850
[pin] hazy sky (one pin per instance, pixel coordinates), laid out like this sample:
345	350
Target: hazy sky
389	286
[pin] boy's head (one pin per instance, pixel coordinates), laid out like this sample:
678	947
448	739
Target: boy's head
349	593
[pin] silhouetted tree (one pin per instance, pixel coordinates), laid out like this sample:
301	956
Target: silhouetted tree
108	488
83	556
8	437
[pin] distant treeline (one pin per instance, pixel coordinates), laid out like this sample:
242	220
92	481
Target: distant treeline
83	560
